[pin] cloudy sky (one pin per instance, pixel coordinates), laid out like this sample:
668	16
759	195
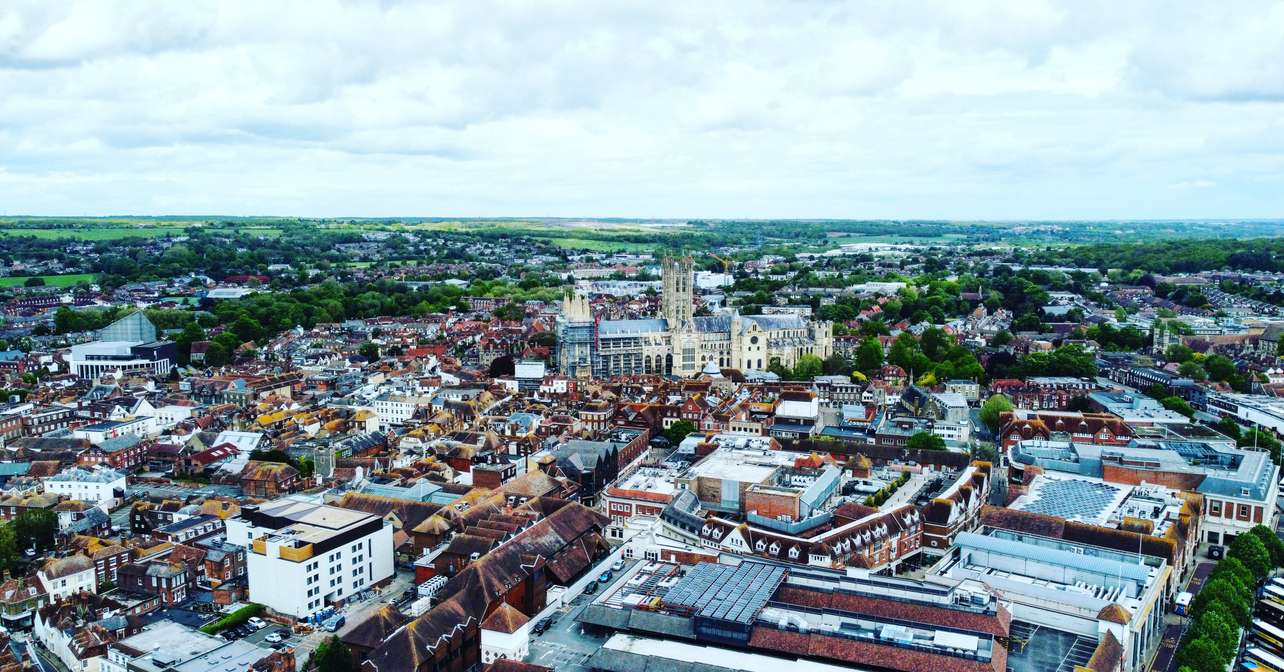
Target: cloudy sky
962	110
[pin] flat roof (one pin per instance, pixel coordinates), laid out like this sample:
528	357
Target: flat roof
1084	500
713	657
315	514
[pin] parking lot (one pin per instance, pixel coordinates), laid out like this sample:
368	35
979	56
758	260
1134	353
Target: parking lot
179	491
565	646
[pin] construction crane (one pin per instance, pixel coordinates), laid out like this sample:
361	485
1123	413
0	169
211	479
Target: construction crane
726	263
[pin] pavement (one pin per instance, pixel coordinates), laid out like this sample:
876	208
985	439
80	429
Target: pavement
1175	626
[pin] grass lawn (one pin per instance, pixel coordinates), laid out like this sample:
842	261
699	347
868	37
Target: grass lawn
51	280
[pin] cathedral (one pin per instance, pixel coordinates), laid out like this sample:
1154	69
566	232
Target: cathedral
677	343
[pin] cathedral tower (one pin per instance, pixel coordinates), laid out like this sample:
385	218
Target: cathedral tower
678	299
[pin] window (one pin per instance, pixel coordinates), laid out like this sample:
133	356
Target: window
1243	510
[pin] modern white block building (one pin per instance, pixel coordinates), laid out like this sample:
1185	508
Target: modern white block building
302	557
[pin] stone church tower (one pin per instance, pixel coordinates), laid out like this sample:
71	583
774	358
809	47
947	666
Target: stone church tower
678	298
677	307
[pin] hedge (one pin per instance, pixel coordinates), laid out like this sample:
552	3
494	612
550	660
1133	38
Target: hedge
233	619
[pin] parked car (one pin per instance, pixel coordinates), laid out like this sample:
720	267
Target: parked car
541	627
591	588
274	637
617	565
256	623
605	577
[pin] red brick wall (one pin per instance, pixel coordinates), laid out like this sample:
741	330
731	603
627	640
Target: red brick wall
771	504
1118	474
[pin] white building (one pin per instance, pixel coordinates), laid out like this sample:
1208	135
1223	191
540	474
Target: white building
100	485
506	633
398	409
113	429
67	576
245	442
302	556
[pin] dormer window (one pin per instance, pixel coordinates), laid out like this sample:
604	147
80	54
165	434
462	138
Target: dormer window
793	553
760	545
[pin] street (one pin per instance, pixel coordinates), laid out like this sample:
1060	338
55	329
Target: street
1175	625
354	613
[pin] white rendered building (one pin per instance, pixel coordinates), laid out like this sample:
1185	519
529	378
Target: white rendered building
302	557
101	485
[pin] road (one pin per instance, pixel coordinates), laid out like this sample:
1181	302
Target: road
1175	625
565	646
353	614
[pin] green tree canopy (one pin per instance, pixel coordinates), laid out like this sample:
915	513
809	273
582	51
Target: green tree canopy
993	407
679	431
1248	549
332	655
869	356
925	441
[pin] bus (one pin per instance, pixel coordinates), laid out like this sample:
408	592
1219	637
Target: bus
1268	636
1257	659
1270	611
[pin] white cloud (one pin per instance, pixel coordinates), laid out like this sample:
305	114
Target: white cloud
766	109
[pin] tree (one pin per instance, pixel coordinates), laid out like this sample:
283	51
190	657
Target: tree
935	343
836	365
1229	427
35	528
869	356
9	547
191	333
1263	440
501	366
1179	405
1274	546
1193	371
332	655
1001	339
510	312
1179	353
369	350
1234	569
925	441
809	366
1219	367
1216	627
1201	655
34	281
1248	549
993	407
679	431
1233	596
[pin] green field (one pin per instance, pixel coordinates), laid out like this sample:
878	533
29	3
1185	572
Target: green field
51	280
94	233
599	245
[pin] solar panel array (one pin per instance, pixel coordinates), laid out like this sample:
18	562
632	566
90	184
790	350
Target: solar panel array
726	593
1074	499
